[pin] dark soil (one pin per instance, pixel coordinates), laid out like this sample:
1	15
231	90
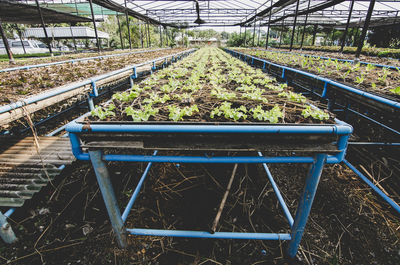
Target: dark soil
347	225
49	59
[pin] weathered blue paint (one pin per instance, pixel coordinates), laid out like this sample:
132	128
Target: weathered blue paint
204	234
137	190
278	194
394	205
305	203
104	181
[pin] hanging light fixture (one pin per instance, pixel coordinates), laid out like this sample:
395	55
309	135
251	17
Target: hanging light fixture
198	20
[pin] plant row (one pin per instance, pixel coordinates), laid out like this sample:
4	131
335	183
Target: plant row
17	84
27	60
382	81
211	85
368	51
345	56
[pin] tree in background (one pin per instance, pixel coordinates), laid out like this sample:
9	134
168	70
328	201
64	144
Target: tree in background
385	36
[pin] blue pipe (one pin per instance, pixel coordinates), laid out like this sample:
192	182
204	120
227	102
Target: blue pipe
9	212
199	159
73	86
386	101
285	209
110	200
305	203
137	190
395	206
374	143
336	129
27	67
204	234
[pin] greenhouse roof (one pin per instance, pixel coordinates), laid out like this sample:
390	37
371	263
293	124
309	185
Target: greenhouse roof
192	13
20	12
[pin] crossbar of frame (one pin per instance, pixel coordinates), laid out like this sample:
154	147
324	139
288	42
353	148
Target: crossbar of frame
137	190
204	234
278	194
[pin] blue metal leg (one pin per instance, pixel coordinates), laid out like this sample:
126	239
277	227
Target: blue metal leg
305	203
6	232
103	178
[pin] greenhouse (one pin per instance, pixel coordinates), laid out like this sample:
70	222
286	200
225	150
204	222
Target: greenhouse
200	132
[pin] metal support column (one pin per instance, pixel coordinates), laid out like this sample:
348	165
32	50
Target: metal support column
280	38
333	35
294	25
141	35
259	32
73	38
6	44
148	35
365	28
129	28
254	32
107	191
305	25
166	35
245	35
347	26
269	25
44	27
314	34
120	33
161	39
94	25
6	232
305	203
20	37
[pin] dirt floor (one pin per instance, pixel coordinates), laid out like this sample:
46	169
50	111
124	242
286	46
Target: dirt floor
67	222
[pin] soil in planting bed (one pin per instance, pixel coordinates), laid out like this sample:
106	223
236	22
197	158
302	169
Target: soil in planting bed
68	223
380	81
49	59
210	86
346	56
20	84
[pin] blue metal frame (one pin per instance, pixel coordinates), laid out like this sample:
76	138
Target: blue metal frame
395	105
8	235
340	129
394	205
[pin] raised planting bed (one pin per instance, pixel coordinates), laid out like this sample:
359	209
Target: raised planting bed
367	51
343	56
214	89
210	101
90	88
27	61
20	84
377	109
381	81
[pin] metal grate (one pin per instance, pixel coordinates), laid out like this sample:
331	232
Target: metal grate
23	172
